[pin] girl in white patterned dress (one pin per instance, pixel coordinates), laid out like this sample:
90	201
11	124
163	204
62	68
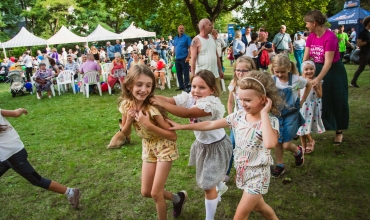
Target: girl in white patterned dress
242	67
211	151
311	110
256	132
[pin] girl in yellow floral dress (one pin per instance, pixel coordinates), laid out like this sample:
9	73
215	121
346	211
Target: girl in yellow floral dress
159	143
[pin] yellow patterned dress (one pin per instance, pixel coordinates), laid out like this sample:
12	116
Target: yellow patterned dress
155	148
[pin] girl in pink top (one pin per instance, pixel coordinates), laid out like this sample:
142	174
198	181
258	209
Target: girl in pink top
322	47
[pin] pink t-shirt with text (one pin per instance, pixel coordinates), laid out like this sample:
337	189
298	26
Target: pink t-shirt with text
318	46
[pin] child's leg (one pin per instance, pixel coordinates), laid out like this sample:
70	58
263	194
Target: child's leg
19	163
156	78
248	203
154	176
289	146
163	80
279	153
265	210
211	201
309	137
304	141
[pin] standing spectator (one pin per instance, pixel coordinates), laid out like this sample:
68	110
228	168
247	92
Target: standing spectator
238	45
140	47
363	41
204	52
110	51
87	49
163	46
102	55
54	55
181	45
170	43
64	56
343	41
145	48
27	60
71	65
322	46
130	49
352	37
230	40
282	42
220	44
78	53
95	53
298	46
246	38
118	47
70	52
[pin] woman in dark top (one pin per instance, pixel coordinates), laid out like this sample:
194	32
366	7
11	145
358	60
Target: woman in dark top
262	42
363	41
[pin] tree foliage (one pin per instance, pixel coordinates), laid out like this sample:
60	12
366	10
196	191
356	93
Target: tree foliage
273	13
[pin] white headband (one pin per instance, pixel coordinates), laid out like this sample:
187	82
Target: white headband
263	87
308	62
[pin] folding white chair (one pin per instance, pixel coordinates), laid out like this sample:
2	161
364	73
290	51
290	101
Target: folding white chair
91	77
66	77
104	71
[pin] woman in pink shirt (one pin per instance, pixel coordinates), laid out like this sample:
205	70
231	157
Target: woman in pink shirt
322	48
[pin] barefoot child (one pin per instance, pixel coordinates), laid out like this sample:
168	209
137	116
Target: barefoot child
256	132
242	66
159	143
13	155
288	82
211	151
311	110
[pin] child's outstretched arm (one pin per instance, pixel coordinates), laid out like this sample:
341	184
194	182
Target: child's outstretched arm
163	126
306	92
230	103
164	98
200	126
180	111
269	135
318	89
14	113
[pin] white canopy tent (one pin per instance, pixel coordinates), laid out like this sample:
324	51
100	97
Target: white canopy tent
100	34
24	39
64	36
133	32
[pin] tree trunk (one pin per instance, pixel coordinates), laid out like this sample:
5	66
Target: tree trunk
193	15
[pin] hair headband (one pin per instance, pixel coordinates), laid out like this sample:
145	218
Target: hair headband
308	62
263	87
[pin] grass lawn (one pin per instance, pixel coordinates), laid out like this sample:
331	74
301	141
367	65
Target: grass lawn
66	138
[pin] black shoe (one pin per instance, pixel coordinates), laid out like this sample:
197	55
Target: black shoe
113	91
299	159
177	208
278	171
354	85
178	89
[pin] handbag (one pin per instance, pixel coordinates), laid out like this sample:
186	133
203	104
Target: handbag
40	81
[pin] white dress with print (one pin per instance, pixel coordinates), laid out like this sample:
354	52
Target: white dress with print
251	159
311	112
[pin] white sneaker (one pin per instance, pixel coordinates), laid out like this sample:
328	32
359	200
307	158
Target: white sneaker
223	190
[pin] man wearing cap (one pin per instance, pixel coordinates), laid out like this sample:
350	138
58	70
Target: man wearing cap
298	46
282	42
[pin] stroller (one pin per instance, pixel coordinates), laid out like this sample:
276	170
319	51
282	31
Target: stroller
17	83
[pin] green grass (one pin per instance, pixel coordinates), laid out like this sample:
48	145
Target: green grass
66	138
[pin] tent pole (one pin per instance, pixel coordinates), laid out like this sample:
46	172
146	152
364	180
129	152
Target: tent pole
4	51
